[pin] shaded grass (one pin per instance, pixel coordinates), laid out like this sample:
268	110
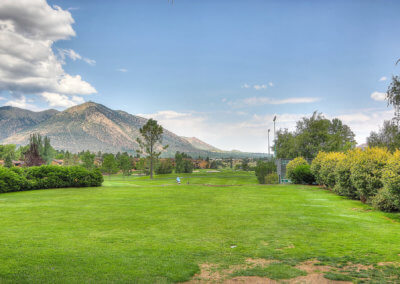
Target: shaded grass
139	230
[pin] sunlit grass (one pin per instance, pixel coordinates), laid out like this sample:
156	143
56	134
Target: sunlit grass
136	229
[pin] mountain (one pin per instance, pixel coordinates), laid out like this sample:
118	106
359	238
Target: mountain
14	120
92	126
201	145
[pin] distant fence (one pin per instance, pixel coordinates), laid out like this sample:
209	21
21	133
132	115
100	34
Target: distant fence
281	169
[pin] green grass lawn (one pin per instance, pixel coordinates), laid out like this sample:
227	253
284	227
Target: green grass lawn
137	230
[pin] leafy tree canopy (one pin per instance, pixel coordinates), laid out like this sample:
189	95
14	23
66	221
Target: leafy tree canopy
312	135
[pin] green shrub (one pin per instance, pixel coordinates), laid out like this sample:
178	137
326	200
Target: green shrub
327	168
316	166
293	164
43	177
10	181
302	175
366	171
164	167
386	201
272	178
263	169
343	185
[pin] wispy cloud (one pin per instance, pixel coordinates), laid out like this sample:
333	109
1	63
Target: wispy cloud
72	54
260	87
378	96
383	79
122	70
271	101
256	87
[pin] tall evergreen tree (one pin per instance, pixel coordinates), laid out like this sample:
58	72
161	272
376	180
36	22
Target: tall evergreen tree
152	135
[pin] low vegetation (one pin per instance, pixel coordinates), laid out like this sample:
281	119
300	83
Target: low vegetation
44	177
370	175
137	230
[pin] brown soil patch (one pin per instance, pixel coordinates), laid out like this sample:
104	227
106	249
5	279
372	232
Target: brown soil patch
357	267
291	246
211	273
387	263
310	266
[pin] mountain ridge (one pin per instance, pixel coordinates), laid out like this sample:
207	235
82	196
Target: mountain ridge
95	127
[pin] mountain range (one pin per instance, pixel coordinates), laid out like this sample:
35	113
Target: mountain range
92	126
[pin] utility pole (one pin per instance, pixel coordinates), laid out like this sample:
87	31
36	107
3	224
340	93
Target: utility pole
274	137
269	148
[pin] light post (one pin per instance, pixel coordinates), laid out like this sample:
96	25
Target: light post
274	136
269	148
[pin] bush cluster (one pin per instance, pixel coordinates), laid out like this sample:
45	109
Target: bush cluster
371	175
266	172
43	177
299	171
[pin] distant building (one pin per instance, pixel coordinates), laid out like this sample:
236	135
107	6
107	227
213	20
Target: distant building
57	162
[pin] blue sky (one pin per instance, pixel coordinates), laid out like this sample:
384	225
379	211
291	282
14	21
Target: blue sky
220	70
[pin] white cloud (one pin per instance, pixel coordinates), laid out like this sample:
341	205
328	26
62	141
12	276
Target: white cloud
245	86
264	100
383	79
271	84
57	100
122	70
21	102
378	96
260	87
2	98
28	65
72	54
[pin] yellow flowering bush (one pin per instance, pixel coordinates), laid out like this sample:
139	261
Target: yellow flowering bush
391	174
316	166
328	166
343	185
366	171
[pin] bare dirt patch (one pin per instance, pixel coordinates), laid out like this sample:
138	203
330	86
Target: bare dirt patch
212	273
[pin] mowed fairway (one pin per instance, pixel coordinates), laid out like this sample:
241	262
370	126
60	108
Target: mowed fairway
137	230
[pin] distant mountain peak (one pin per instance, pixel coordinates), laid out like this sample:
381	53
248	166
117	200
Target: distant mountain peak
199	144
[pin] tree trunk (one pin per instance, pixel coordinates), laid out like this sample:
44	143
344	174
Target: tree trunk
151	167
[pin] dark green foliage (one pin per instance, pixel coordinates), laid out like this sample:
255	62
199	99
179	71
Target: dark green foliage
43	177
164	167
312	135
388	136
183	163
263	169
109	164
9	180
88	160
152	135
386	201
272	178
8	161
302	175
215	164
245	164
124	163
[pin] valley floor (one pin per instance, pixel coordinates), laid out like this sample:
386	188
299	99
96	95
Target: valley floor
212	227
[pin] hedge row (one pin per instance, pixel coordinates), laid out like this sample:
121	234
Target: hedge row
43	177
371	175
